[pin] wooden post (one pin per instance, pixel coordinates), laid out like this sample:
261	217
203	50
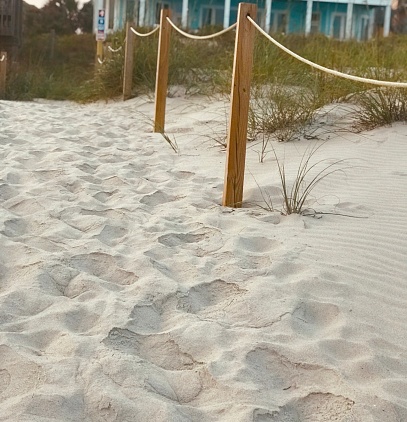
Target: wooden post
99	52
108	52
239	108
161	81
128	62
3	73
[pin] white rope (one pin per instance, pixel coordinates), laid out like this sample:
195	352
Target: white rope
114	50
147	34
100	61
203	37
3	57
325	69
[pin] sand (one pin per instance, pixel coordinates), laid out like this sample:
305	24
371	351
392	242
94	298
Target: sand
127	293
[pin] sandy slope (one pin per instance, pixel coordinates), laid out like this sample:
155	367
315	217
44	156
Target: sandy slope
128	294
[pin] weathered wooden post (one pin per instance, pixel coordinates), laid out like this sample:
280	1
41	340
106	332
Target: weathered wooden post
239	108
99	53
161	81
3	73
128	62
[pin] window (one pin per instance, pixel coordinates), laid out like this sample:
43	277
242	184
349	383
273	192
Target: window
211	16
315	23
279	21
111	14
338	23
5	21
364	28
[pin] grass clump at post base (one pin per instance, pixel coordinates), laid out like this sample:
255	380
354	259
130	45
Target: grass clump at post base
295	196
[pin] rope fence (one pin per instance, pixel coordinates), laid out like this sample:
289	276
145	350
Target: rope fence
325	69
144	35
105	53
113	50
240	85
3	73
201	37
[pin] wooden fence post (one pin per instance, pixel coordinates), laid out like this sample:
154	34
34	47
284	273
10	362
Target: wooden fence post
239	108
161	81
3	73
99	53
128	62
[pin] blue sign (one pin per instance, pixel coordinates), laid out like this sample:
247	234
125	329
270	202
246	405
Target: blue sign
100	34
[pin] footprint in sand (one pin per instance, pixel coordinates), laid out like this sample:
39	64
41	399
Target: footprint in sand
342	349
157	198
104	196
182	175
311	318
209	299
103	266
145	319
267	368
87	168
257	244
287	271
112	235
18	375
25	207
201	242
158	349
14	227
46	407
314	407
164	369
7	192
179	239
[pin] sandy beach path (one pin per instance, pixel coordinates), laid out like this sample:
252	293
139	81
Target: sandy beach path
127	293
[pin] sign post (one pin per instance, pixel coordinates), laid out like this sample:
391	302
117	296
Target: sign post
100	34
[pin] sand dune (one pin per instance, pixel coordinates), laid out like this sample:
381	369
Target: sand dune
127	293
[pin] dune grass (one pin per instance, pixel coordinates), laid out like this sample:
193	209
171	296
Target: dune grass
51	69
380	107
285	93
296	194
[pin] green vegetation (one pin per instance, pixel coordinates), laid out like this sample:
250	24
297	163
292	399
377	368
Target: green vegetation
51	67
309	173
285	93
381	107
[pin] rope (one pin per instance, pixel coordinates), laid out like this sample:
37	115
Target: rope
114	50
145	35
325	69
100	61
3	57
203	37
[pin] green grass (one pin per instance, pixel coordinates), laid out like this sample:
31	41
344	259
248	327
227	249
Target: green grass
65	69
51	70
295	194
381	107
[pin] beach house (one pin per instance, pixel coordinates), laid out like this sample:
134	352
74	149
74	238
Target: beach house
340	19
10	25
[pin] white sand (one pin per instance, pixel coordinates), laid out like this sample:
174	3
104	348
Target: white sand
128	294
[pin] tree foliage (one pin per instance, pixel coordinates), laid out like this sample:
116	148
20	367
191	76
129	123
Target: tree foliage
62	16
